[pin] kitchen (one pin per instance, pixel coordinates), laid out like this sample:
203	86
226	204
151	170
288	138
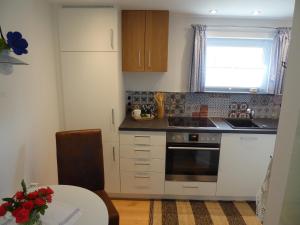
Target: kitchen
167	133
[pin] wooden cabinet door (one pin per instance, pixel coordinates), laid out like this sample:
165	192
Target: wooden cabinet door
88	29
133	40
156	41
244	160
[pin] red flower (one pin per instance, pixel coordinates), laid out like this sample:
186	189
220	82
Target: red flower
2	210
42	192
39	202
28	205
6	204
49	198
19	195
49	191
21	214
33	195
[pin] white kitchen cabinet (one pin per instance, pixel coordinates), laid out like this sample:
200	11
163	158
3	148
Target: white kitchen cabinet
89	90
142	162
88	29
244	159
92	85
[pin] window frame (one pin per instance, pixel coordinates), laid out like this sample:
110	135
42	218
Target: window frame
242	40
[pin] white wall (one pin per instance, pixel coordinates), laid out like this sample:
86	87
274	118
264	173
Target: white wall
180	48
286	136
28	99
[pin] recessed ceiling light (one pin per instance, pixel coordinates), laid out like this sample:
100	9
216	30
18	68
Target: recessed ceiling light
256	12
213	11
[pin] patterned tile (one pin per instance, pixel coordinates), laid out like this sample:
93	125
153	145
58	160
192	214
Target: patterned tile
185	104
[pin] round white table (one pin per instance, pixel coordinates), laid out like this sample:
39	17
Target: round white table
92	207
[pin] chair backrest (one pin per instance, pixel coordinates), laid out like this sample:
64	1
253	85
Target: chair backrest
80	159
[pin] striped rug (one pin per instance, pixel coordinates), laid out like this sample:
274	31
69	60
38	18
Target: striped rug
171	212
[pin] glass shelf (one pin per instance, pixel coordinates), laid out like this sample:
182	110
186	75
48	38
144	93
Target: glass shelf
7	59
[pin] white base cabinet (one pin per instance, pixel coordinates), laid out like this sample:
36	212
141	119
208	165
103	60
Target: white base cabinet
142	162
244	160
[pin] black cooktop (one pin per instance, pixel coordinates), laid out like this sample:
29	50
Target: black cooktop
190	122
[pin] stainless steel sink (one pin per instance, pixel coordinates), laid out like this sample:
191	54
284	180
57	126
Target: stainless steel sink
242	124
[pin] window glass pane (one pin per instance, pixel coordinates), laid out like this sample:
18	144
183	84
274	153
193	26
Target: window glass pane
237	63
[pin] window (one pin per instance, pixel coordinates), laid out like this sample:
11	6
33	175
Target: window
238	65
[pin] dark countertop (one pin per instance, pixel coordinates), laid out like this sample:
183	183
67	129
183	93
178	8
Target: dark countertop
130	124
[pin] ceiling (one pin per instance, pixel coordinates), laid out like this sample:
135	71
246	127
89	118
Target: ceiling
279	9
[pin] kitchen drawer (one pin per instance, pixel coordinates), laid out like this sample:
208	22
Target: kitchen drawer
190	188
142	182
142	152
143	138
142	165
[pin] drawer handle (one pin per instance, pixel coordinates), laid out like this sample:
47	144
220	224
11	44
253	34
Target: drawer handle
248	138
143	177
190	187
142	164
141	136
142	150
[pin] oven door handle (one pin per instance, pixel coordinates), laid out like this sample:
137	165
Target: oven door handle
194	148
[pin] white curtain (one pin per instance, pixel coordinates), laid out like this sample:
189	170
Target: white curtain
197	76
279	60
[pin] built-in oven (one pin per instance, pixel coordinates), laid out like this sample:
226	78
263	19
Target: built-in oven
192	156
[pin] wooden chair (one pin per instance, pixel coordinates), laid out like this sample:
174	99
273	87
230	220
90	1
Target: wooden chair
80	163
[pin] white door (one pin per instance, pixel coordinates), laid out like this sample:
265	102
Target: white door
88	29
89	90
244	159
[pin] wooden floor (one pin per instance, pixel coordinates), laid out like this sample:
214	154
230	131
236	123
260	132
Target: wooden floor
133	211
137	212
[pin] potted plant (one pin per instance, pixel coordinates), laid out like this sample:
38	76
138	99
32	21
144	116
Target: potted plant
25	207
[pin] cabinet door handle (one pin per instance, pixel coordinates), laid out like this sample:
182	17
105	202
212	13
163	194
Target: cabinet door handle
112	38
142	164
248	138
190	187
142	176
113	116
140	58
142	150
149	58
114	154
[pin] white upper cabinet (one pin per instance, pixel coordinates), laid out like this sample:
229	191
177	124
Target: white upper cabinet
244	160
88	29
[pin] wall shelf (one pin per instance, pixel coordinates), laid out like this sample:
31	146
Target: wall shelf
7	59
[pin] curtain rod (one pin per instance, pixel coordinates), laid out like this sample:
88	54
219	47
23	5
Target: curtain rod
234	26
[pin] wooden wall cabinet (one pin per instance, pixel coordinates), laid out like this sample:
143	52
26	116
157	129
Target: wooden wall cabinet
145	40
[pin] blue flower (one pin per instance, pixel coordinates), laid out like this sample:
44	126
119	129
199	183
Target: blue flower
17	43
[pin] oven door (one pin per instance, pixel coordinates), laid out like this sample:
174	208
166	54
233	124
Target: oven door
192	162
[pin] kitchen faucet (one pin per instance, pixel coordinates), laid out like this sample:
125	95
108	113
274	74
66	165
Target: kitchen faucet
251	113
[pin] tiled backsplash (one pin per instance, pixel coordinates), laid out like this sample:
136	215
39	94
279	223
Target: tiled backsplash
219	105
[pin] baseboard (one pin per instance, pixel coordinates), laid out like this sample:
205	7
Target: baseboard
179	197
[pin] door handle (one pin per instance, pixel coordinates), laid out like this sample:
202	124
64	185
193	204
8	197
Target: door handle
149	58
114	154
113	116
142	164
194	148
112	38
190	187
139	57
145	177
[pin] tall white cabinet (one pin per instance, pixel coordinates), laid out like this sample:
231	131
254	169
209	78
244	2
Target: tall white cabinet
92	83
